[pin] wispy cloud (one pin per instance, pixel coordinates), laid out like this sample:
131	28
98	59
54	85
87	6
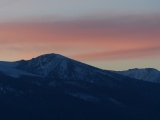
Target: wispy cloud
119	54
89	39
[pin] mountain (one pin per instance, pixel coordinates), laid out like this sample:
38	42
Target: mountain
56	66
11	71
54	87
148	74
52	65
59	67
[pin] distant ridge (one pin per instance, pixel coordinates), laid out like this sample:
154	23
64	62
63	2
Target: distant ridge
146	74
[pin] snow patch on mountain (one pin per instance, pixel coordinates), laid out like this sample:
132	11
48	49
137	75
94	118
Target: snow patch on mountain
85	97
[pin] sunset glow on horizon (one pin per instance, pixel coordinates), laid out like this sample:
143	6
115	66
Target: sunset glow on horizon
115	41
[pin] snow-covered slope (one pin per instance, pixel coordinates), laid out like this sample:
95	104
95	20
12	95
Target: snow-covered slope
60	67
8	69
148	74
44	64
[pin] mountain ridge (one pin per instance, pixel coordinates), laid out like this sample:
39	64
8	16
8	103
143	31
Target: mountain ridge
71	90
146	74
60	67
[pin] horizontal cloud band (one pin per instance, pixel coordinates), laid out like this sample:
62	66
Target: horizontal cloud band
88	39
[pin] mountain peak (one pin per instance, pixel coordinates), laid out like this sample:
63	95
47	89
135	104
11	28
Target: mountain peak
43	59
58	67
42	64
49	56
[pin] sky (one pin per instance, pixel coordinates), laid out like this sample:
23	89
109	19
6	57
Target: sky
109	34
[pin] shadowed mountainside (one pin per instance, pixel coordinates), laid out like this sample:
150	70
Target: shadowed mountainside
55	87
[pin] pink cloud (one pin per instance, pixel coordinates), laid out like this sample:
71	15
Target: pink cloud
119	54
114	37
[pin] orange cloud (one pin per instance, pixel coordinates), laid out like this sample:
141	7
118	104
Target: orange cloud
91	37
